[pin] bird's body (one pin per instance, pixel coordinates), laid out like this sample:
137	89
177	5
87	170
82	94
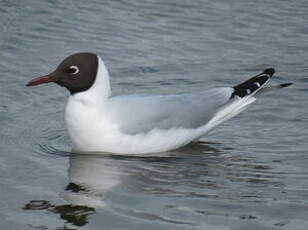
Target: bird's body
139	123
134	124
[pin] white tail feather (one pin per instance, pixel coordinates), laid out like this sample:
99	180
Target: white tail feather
228	111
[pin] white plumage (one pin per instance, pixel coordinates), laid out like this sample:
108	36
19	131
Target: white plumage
134	124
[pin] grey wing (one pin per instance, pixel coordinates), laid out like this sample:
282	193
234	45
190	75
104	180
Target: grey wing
143	113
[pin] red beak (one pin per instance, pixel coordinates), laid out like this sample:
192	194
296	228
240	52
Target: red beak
40	80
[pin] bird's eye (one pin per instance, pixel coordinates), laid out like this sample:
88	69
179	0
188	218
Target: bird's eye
73	69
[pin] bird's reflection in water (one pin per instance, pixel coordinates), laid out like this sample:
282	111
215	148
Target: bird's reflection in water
74	214
93	177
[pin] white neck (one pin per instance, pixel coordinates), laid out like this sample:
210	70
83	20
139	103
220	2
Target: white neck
100	90
85	107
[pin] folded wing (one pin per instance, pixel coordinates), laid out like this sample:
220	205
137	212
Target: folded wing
142	113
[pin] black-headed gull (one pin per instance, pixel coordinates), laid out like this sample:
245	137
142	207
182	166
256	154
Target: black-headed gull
134	124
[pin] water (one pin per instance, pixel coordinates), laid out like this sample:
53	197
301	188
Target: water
251	173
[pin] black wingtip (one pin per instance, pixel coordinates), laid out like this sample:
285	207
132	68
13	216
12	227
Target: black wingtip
269	71
253	84
286	84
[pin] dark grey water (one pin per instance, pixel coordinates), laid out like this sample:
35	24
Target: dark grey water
251	173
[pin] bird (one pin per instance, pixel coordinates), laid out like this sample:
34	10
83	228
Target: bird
99	122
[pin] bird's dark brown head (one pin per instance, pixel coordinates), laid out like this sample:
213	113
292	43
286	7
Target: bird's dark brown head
77	73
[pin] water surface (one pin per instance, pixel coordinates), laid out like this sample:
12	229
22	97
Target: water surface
250	173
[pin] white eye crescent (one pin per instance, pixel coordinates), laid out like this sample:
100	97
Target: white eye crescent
73	69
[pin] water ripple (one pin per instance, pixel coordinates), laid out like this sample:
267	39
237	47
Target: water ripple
252	170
